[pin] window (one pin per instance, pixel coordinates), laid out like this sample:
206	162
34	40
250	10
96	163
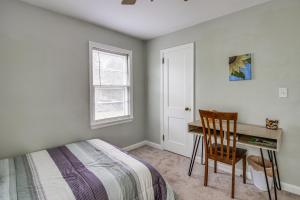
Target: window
110	85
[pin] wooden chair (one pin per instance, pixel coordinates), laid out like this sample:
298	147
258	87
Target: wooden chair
216	130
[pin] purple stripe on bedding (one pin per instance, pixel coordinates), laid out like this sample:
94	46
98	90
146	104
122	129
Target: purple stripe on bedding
159	184
93	181
83	183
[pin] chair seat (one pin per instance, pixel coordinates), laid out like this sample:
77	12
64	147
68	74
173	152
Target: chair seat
240	153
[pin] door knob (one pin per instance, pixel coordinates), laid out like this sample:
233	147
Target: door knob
187	109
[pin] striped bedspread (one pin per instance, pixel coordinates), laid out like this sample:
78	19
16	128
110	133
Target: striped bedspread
87	170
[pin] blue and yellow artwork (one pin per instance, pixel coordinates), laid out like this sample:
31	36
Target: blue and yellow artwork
240	67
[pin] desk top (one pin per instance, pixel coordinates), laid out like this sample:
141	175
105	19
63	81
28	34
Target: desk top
246	129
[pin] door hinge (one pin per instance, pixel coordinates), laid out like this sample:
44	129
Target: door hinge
163	61
163	137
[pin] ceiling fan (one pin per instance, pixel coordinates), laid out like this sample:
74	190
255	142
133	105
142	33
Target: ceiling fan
132	2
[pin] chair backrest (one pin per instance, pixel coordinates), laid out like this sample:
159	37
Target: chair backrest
217	125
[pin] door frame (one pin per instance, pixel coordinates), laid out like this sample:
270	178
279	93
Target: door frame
192	45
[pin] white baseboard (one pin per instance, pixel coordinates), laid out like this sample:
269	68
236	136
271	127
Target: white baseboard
135	146
154	145
290	188
143	143
226	168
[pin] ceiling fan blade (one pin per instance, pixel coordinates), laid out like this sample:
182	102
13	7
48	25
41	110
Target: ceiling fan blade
128	2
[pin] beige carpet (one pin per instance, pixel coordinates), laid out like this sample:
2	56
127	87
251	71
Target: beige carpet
174	169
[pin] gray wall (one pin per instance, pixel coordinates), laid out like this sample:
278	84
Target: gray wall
44	85
271	32
44	76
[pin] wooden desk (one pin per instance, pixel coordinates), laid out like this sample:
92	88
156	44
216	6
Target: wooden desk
247	135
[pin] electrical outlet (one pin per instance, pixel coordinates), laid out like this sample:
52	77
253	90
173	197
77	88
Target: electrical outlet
283	92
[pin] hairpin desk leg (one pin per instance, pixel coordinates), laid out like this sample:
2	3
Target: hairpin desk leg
273	172
277	170
194	154
263	161
192	157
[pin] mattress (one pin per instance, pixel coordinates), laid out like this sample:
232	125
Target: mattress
86	170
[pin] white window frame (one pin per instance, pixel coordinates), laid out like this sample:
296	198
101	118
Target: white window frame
116	120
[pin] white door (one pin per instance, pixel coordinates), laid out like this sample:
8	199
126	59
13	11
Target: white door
177	98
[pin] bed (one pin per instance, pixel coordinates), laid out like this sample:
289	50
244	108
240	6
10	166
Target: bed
86	170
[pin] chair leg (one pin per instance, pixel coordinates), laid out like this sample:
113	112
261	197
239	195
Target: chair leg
233	181
215	166
206	171
244	170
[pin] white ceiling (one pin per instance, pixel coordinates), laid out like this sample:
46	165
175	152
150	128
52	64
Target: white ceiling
145	19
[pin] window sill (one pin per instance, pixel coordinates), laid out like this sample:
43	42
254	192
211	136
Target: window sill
103	124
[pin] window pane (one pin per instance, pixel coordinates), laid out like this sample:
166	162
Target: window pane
96	74
109	68
113	69
112	102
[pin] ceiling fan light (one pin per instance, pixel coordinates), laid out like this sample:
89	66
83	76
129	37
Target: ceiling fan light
132	2
128	2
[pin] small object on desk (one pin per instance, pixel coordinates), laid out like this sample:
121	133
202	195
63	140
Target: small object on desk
272	124
262	142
